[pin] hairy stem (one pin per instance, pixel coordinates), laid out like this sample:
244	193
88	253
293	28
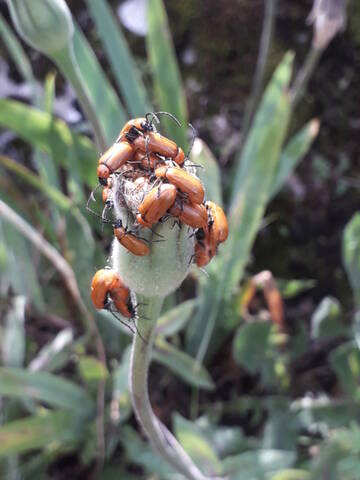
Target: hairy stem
160	438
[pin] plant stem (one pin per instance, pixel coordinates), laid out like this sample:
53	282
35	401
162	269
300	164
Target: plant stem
265	41
160	437
302	78
66	61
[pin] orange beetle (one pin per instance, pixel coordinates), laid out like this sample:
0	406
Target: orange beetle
147	161
130	241
140	125
155	204
154	142
205	249
218	224
202	255
108	289
191	214
184	181
180	157
106	192
106	285
116	156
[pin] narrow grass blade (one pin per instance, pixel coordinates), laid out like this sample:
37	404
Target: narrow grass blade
294	151
45	387
17	268
40	431
54	354
197	445
110	111
175	319
53	136
45	164
17	52
351	254
125	72
182	365
13	338
251	193
167	81
209	174
26	174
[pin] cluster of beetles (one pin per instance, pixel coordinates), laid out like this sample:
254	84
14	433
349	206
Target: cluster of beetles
150	159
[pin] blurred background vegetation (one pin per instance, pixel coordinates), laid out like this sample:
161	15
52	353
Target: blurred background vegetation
256	370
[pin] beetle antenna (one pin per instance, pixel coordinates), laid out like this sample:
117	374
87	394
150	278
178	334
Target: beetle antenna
153	117
171	116
120	320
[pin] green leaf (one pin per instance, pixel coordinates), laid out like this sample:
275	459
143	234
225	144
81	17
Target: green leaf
54	354
291	288
110	112
182	365
142	454
42	131
293	152
18	270
351	254
174	320
251	192
196	444
17	52
326	319
291	474
167	80
250	345
91	369
345	360
263	145
210	173
125	72
257	465
41	431
120	392
13	340
45	387
32	179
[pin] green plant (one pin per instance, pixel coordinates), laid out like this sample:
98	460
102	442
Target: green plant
57	414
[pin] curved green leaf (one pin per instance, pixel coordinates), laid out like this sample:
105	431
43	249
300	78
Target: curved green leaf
125	72
53	136
251	192
40	431
26	174
167	80
351	254
182	365
175	319
293	152
109	109
210	173
45	387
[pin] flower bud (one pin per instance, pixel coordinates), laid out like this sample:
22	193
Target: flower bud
171	246
328	18
44	24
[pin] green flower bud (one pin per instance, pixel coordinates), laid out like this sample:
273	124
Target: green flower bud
44	24
171	247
